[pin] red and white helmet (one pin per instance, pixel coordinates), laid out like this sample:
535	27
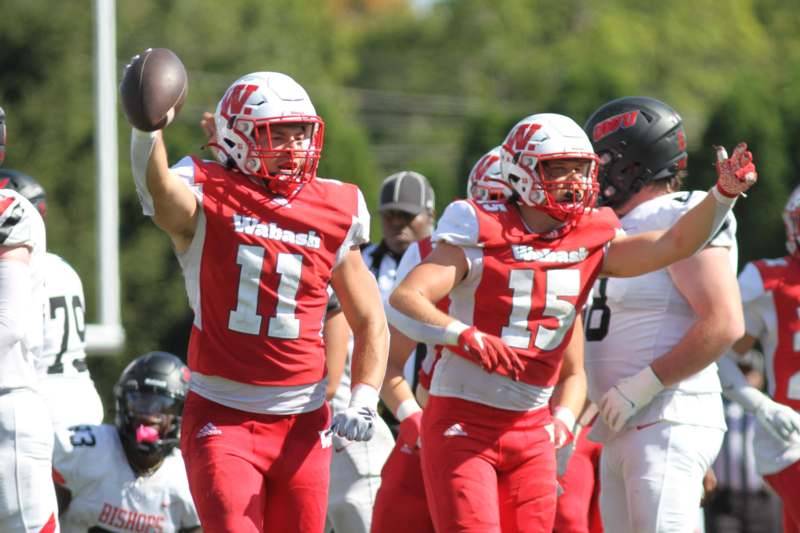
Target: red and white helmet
791	219
485	182
547	137
250	107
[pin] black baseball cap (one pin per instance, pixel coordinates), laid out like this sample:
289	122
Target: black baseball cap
407	191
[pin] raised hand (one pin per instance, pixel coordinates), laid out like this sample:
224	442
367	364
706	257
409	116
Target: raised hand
737	173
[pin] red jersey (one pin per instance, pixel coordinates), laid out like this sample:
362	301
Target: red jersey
258	270
771	298
525	288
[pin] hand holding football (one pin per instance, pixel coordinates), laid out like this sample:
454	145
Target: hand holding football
153	89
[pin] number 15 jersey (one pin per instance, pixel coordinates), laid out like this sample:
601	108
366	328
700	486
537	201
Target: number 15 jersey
523	287
257	273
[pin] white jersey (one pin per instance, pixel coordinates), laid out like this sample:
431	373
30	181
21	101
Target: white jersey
106	493
64	350
770	296
633	321
22	225
65	383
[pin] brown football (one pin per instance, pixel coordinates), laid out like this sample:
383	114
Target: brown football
153	89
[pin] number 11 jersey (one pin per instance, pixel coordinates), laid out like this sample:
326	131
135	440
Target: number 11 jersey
257	273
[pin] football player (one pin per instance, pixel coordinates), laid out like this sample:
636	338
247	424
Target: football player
516	273
771	297
259	238
27	498
130	476
65	382
401	504
653	339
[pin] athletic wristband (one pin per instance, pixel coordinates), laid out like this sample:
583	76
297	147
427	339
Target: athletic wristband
566	415
453	331
406	409
723	197
422	332
364	395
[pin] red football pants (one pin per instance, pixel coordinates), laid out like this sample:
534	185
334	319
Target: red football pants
401	506
786	483
578	509
487	469
249	472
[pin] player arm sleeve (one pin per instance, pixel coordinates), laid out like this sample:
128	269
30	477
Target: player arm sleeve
735	386
459	227
15	291
142	143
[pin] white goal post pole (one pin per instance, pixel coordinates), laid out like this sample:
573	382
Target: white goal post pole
107	337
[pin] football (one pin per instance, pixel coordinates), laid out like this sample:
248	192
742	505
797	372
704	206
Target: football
153	89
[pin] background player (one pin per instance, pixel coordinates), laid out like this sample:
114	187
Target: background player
65	382
488	259
27	498
771	297
653	339
129	476
260	238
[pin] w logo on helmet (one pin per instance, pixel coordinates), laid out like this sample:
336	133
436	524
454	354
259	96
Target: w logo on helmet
518	140
612	124
235	98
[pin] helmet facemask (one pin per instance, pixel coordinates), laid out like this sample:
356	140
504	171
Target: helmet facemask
149	421
485	182
250	120
563	196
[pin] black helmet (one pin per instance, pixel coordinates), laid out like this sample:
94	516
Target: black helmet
149	397
2	136
26	186
639	140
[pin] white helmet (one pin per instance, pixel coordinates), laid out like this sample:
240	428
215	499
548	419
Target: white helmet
791	219
485	182
250	107
547	137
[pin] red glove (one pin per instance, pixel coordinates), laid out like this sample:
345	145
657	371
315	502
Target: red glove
410	431
737	173
490	351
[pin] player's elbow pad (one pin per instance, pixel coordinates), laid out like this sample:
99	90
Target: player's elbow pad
142	143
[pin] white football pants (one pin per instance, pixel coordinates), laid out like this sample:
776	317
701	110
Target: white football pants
355	479
27	495
72	401
651	479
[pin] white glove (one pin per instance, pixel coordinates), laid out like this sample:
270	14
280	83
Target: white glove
781	421
357	422
624	399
